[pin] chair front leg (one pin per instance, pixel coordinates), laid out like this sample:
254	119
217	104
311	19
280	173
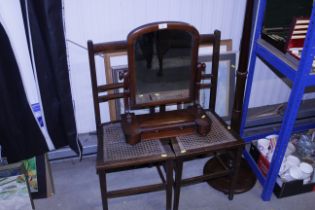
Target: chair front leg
177	185
169	184
103	186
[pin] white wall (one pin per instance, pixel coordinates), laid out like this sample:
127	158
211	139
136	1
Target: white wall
109	20
112	20
268	89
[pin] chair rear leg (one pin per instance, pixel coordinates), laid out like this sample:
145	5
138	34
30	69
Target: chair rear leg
177	186
236	167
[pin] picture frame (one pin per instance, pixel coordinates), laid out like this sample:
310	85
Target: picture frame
226	85
15	191
38	182
113	72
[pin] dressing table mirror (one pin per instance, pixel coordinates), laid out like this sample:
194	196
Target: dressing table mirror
163	70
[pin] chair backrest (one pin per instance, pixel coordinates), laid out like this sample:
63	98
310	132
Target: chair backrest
140	51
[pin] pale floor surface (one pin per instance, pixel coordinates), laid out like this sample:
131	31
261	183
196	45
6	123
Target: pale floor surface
77	188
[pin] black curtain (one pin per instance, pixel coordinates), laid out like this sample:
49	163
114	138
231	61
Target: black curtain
20	135
44	28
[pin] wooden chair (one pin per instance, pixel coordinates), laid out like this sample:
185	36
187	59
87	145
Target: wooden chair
114	154
220	140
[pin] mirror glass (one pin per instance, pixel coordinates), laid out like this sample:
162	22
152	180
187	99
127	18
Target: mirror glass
163	66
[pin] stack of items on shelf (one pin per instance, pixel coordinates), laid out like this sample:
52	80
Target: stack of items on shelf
299	160
296	173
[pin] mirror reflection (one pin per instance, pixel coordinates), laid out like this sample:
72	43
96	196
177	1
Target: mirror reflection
163	66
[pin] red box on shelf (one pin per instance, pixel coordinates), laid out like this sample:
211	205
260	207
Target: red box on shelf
298	32
263	164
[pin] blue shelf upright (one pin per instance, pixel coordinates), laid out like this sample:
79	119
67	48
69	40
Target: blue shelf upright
301	77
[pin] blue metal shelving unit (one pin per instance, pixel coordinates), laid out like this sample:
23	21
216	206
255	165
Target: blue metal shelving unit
301	77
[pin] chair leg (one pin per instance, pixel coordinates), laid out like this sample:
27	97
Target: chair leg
103	186
178	178
169	184
236	166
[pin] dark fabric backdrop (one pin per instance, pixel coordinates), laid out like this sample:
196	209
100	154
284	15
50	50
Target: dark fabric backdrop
20	136
47	36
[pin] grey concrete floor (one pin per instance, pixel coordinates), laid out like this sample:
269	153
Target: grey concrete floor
77	188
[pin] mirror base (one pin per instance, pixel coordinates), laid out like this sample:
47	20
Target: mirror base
165	124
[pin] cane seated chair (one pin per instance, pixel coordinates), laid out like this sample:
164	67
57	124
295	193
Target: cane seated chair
220	140
114	154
